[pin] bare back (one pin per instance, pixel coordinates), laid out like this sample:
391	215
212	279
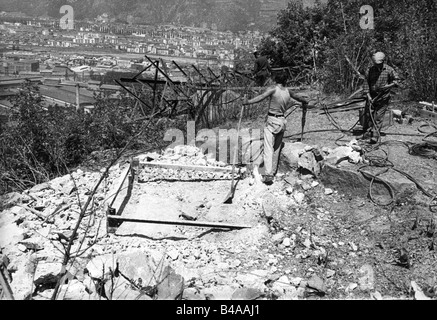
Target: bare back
279	100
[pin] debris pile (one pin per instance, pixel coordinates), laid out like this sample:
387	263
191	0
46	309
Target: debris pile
36	226
183	155
179	157
148	174
312	159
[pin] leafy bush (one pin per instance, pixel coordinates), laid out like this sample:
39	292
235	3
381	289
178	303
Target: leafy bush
320	38
41	142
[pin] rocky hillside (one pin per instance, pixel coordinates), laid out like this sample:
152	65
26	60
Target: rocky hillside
293	240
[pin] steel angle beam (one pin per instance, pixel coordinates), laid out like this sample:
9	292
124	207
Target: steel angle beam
115	221
184	167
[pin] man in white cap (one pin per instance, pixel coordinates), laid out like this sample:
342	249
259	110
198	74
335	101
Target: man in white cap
380	78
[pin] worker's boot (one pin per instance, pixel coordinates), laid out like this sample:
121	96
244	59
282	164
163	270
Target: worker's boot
366	135
268	179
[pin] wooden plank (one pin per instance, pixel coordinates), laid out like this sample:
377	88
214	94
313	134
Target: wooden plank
185	167
206	224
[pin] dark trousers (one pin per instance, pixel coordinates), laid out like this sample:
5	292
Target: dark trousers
261	78
376	111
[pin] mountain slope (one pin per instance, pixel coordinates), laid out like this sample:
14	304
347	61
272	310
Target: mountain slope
231	15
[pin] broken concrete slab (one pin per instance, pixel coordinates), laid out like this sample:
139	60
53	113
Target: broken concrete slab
247	294
170	286
254	279
40	187
317	284
11	199
47	274
10	234
346	179
22	284
308	162
193	294
338	155
34	243
68	188
289	157
74	290
134	265
121	289
222	292
281	285
278	237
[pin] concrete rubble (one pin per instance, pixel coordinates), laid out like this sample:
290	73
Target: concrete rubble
35	227
182	155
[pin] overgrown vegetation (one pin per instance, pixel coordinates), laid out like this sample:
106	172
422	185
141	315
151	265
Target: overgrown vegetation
317	40
43	141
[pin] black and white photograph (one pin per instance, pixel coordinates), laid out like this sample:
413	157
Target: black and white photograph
224	156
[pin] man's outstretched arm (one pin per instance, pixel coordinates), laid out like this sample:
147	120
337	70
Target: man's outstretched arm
305	101
298	98
260	98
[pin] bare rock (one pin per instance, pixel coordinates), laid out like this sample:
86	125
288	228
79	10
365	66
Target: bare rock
121	289
291	293
317	284
271	206
255	279
33	243
376	295
281	285
173	254
247	294
134	265
367	280
74	290
21	284
351	287
328	191
11	199
171	285
47	274
40	187
286	242
299	197
349	181
68	188
289	157
339	154
330	273
308	162
418	292
193	294
10	234
278	237
295	281
223	292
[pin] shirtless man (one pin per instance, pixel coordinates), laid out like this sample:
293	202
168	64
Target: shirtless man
280	98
